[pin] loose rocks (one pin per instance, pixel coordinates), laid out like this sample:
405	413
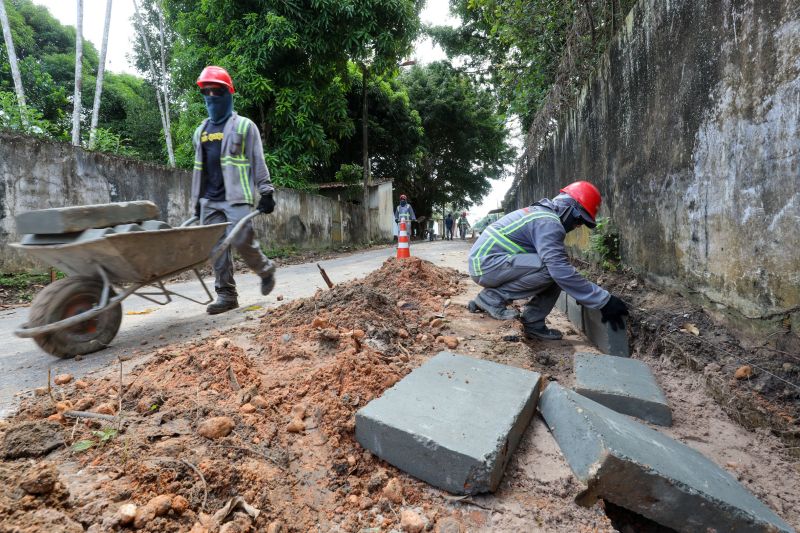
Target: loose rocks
62	379
215	428
31	439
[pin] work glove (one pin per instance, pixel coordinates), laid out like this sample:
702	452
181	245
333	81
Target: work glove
197	210
266	204
613	312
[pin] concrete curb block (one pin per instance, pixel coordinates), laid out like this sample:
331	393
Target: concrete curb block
589	321
82	217
625	385
454	422
638	468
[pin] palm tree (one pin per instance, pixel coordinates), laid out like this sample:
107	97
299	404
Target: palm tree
76	104
161	88
101	70
12	58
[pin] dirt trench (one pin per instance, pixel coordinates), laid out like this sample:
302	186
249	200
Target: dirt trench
264	413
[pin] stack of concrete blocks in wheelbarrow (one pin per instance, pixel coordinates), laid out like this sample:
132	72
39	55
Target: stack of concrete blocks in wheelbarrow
65	225
454	422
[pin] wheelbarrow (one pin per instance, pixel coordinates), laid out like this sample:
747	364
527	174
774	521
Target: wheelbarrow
82	312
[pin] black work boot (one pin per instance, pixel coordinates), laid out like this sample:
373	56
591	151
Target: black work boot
267	284
498	313
223	303
541	332
268	279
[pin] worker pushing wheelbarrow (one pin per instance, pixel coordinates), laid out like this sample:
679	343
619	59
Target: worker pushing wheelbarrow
109	252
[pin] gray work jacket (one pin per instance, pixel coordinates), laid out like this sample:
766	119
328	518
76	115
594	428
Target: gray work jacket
242	158
535	230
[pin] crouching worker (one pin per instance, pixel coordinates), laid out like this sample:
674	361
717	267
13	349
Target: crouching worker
228	167
522	256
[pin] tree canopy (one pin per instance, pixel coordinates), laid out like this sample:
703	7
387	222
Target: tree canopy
522	49
289	61
46	49
465	140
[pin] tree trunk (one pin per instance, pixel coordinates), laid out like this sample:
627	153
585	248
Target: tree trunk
12	59
76	104
154	74
365	150
164	92
101	70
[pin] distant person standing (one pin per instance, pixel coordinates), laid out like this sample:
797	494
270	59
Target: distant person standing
463	225
405	212
448	226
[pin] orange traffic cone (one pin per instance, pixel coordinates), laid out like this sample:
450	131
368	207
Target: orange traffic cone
403	250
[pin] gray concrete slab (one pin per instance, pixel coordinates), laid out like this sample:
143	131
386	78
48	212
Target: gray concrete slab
609	341
561	303
636	467
625	385
453	422
575	313
79	218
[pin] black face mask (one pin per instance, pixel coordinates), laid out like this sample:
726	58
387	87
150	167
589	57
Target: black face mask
571	219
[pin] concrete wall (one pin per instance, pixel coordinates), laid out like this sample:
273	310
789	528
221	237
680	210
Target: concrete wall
38	174
691	129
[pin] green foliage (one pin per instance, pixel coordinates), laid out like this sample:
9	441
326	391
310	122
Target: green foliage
82	445
350	173
108	141
604	244
101	438
27	119
289	62
281	252
23	285
465	140
523	49
46	52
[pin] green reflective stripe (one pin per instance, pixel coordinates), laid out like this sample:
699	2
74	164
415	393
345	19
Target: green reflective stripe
244	134
527	218
248	195
505	242
476	260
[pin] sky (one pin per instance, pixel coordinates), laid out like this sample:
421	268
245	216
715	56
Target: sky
121	36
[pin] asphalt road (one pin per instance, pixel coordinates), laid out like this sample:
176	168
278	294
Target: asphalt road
23	366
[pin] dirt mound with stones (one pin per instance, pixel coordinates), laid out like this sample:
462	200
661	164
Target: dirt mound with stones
253	431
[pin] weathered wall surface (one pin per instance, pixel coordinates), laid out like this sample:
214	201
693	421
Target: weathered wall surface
38	174
691	129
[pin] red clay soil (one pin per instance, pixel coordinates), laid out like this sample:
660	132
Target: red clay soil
267	417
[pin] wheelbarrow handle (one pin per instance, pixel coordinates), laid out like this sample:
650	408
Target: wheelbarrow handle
232	235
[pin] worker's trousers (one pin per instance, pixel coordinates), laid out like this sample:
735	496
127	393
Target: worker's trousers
507	278
245	244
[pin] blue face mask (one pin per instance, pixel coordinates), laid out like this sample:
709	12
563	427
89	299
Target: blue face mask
219	108
402	202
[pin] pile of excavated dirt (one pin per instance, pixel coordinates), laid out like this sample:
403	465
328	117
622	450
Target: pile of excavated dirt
260	424
254	430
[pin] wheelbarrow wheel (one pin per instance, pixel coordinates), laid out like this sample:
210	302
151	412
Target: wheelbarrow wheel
68	297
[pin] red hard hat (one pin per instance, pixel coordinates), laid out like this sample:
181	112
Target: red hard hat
585	194
212	74
403	197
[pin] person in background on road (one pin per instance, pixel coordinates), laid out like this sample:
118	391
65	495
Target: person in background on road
448	225
522	255
228	167
463	225
404	211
